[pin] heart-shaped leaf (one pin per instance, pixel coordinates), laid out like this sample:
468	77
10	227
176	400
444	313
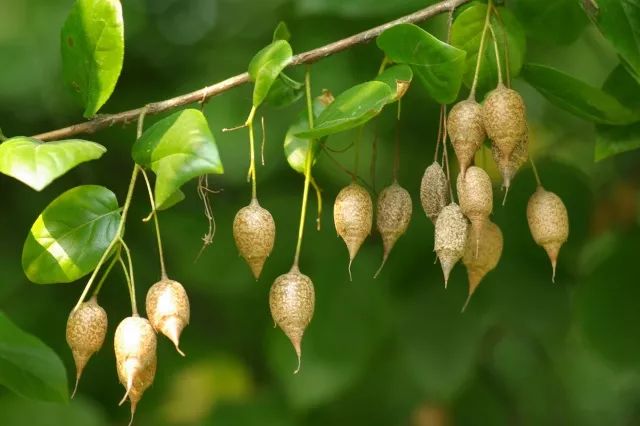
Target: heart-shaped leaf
398	77
352	108
284	91
296	148
28	367
177	148
466	33
71	234
439	66
92	45
38	164
265	67
578	97
281	32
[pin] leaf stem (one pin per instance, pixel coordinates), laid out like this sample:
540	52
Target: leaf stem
505	39
106	274
535	171
495	47
252	163
472	93
132	283
154	213
319	200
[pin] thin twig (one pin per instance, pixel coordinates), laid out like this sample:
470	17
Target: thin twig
472	93
205	93
505	39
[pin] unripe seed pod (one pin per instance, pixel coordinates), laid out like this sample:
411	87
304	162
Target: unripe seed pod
466	131
292	301
353	217
548	222
168	309
476	197
509	166
254	232
86	330
504	118
135	347
434	191
393	216
450	238
482	258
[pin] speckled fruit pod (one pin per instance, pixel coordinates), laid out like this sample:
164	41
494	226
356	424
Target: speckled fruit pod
475	193
509	166
548	222
481	256
86	331
450	237
353	216
434	191
168	309
254	232
466	130
141	383
292	301
394	209
504	118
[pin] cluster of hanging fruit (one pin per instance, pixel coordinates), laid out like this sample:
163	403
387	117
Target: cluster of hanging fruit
167	307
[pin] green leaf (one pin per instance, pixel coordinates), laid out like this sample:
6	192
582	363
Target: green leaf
266	66
28	367
92	45
296	148
68	238
352	108
38	164
439	66
281	32
553	22
578	97
466	33
619	22
177	148
284	92
398	77
612	140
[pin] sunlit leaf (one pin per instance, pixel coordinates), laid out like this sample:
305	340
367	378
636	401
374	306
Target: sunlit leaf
71	234
265	67
398	77
92	44
38	164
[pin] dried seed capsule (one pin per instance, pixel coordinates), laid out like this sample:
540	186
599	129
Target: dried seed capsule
509	166
504	118
86	330
353	217
450	238
168	309
476	197
548	222
434	191
466	131
141	383
254	232
393	216
135	348
482	258
292	301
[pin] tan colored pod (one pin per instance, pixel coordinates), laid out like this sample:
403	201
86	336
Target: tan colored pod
141	383
475	195
450	238
292	301
481	259
135	348
394	210
434	191
466	130
353	217
509	166
254	232
548	222
86	330
168	309
504	118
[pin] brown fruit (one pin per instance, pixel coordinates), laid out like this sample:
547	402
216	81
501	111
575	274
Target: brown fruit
434	191
168	309
476	197
254	232
548	222
292	301
140	384
504	118
509	166
393	216
353	217
466	131
86	330
482	258
135	348
450	238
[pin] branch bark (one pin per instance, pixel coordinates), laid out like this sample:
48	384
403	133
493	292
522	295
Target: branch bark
208	92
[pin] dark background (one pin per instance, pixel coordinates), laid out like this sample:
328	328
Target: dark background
390	351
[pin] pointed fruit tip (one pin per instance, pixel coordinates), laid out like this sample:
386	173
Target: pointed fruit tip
349	267
296	347
75	388
384	260
256	266
172	330
134	404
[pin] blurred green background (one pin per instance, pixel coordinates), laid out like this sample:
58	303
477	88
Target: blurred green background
390	351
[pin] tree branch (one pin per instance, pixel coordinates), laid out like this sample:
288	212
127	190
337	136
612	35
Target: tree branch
205	93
